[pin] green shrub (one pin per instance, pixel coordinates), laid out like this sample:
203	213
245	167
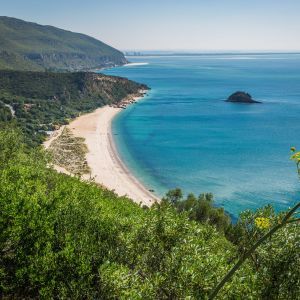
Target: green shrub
64	238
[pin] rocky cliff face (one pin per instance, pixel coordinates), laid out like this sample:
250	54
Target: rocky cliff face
74	61
72	87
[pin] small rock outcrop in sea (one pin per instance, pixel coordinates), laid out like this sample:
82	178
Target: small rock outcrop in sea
241	97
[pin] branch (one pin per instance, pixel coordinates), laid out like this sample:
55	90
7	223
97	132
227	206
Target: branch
292	221
249	252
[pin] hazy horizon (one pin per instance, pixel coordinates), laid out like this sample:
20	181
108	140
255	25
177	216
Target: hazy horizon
196	26
210	51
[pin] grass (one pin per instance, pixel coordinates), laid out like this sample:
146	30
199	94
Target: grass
70	152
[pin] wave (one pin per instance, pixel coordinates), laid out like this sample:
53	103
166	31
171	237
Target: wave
136	64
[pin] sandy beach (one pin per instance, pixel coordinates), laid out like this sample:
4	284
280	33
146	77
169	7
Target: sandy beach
103	159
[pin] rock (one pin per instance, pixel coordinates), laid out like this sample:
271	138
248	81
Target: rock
241	97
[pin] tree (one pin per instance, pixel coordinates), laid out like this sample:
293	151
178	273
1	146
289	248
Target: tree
173	196
199	209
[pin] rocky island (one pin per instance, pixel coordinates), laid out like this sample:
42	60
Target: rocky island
241	97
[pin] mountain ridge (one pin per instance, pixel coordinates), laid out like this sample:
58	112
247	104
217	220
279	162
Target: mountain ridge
34	47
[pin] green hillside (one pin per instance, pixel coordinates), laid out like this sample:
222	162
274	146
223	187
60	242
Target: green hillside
30	46
12	60
44	100
61	238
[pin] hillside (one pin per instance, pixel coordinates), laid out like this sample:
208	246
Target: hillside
30	46
41	101
61	238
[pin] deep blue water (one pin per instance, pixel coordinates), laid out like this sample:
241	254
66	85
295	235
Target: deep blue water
184	135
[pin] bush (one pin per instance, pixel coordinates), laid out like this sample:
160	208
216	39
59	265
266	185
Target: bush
199	209
63	238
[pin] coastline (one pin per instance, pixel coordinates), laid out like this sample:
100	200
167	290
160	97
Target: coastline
106	166
137	183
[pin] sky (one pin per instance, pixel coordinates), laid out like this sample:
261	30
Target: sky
192	25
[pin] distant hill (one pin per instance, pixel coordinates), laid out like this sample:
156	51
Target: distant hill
41	101
30	46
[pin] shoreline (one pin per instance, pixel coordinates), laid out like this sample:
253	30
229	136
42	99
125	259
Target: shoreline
107	168
119	161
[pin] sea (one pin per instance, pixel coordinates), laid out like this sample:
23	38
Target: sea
183	134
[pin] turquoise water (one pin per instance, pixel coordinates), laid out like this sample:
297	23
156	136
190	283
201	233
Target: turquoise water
184	135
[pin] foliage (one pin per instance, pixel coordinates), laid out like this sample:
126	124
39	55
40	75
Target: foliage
43	100
5	114
200	209
296	157
63	238
14	61
173	196
33	47
277	259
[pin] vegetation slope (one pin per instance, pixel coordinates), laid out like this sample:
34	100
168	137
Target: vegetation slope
33	47
64	238
41	101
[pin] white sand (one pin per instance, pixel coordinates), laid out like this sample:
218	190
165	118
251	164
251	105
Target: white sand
103	160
